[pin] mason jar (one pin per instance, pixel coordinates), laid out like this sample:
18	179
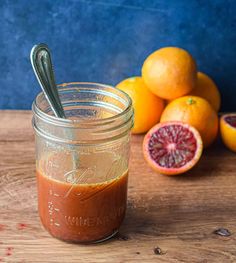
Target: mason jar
82	161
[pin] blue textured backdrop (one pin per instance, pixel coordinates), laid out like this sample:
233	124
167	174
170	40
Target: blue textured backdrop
107	40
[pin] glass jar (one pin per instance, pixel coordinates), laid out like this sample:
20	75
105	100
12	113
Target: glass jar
82	161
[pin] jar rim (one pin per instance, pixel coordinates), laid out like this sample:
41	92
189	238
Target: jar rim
77	122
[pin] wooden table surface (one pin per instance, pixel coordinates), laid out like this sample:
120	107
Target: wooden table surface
169	219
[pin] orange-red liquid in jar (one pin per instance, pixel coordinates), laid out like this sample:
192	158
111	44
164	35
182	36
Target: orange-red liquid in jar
82	212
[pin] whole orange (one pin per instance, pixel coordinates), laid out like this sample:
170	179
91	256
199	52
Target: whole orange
228	130
207	89
147	106
195	111
170	72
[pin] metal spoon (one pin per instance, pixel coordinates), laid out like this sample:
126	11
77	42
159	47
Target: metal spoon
42	65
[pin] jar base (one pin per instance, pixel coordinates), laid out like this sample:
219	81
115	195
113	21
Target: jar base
87	242
104	239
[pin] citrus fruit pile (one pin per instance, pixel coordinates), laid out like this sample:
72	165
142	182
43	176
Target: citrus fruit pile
178	108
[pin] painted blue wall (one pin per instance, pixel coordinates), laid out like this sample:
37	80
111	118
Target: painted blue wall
107	40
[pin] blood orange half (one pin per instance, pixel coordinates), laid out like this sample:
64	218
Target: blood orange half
228	130
172	147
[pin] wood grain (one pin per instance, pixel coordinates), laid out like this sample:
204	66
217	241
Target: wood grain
176	214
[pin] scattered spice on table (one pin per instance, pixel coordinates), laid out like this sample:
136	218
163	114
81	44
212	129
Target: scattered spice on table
2	227
21	226
222	232
9	251
158	251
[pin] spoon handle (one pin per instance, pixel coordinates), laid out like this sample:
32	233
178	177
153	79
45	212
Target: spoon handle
43	69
